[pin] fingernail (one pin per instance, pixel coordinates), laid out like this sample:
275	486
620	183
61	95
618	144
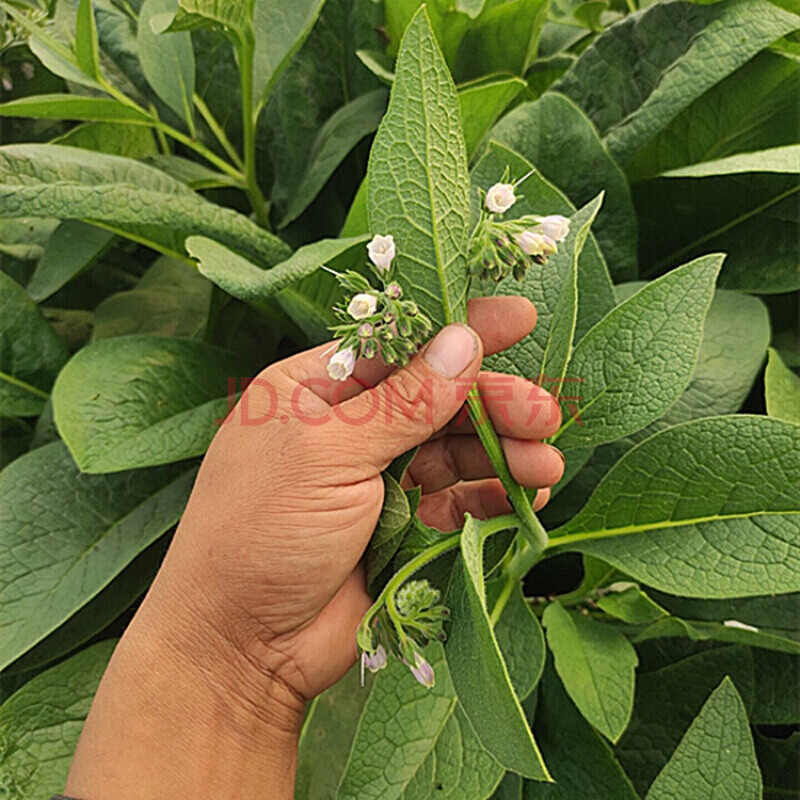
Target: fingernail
561	456
452	350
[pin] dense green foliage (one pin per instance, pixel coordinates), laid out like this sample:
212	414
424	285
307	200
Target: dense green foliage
174	174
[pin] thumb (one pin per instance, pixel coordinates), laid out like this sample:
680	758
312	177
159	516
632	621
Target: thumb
413	403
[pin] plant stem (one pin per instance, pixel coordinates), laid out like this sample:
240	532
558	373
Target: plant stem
252	189
218	131
520	565
534	532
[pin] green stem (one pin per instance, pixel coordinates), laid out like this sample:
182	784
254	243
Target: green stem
528	555
252	189
534	532
218	131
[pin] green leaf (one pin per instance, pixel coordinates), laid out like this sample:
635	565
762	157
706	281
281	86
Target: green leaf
394	519
67	535
418	184
233	15
686	48
336	138
750	216
171	299
553	288
167	59
666	513
597	665
133	199
560	141
782	389
635	363
280	29
399	727
194	175
247	282
668	699
595	291
773	702
521	642
30	353
631	605
777	159
777	759
73	106
328	731
482	103
751	109
716	759
503	38
73	247
138	401
477	668
40	724
735	338
583	766
114	138
87	49
25	238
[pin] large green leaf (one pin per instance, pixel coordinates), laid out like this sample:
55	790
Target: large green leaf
538	196
138	401
137	200
30	353
785	159
750	216
247	282
668	699
777	759
636	362
716	759
171	299
73	247
114	138
418	184
752	109
641	73
280	29
482	102
394	519
735	338
667	514
782	389
773	703
399	727
73	106
560	141
232	15
477	668
596	664
553	288
583	766
336	138
167	59
40	724
67	535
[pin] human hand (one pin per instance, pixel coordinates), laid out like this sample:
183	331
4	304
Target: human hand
263	587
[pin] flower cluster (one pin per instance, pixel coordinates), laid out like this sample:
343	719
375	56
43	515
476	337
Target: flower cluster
407	624
501	247
373	321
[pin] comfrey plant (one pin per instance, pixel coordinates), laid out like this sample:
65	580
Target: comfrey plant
637	638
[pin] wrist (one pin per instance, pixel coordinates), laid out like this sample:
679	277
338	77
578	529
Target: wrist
179	710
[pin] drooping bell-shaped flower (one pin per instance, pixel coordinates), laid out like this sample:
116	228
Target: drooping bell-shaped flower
533	243
382	251
341	364
500	198
362	305
376	661
423	672
554	226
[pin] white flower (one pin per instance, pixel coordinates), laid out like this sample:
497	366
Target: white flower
362	306
742	626
535	244
382	252
375	661
500	198
555	226
342	363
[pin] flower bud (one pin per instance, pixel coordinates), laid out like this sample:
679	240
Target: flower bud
394	291
423	672
381	252
365	331
341	364
369	349
362	306
500	198
375	661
